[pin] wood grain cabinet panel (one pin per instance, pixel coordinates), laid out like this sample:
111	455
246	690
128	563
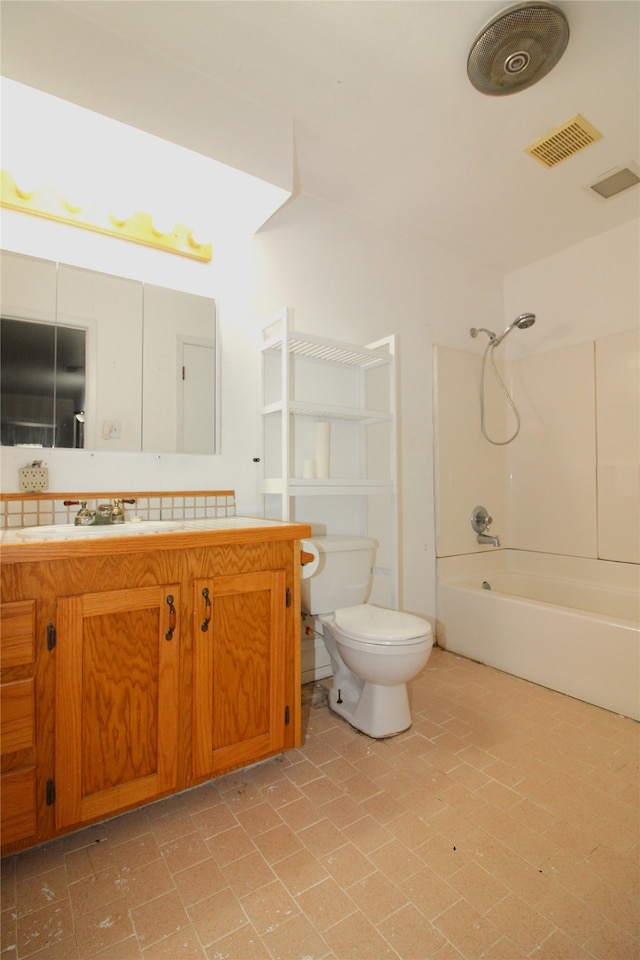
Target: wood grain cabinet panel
18	630
18	817
239	671
117	696
17	716
18	811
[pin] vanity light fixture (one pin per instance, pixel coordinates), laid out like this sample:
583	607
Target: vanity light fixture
138	227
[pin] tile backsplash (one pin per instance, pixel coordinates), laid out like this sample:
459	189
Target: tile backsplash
33	511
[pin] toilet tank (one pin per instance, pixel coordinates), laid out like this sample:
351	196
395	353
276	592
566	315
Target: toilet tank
343	575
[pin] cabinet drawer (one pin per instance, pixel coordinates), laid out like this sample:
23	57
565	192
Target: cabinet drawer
18	626
17	719
18	805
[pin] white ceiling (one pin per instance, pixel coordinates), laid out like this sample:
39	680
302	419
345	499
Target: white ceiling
387	124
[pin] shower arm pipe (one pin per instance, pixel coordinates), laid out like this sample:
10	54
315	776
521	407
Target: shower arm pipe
476	330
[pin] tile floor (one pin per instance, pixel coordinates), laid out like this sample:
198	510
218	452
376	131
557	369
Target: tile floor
502	825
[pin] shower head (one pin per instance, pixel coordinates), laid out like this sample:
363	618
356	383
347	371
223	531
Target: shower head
525	320
522	322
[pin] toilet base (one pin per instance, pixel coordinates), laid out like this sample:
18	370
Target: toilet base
379	711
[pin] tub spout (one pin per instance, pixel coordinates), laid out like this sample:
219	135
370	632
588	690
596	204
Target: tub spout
485	538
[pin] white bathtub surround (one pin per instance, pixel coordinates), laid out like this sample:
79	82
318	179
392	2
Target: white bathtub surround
568	623
618	432
553	496
569	484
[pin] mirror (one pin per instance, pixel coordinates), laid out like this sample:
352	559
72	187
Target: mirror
99	362
43	384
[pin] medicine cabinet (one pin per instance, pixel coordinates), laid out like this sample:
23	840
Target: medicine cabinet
100	362
324	400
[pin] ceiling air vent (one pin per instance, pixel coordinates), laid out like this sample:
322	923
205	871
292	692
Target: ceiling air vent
615	181
567	139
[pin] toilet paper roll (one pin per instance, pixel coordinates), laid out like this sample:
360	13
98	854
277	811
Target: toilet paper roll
322	446
310	568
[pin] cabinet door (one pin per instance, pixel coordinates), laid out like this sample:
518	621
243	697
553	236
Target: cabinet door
116	700
239	670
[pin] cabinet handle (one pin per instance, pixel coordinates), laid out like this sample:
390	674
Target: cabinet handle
172	613
204	626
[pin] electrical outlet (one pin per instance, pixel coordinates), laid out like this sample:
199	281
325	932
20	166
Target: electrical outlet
34	479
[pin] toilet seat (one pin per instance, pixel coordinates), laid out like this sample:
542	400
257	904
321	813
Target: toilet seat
378	626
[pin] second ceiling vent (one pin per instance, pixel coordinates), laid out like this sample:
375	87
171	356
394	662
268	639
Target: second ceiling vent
564	141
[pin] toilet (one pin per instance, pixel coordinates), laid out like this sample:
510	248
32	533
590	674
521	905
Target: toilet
374	652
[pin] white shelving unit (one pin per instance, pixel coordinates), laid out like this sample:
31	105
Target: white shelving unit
306	379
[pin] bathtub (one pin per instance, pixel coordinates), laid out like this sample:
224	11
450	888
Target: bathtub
567	623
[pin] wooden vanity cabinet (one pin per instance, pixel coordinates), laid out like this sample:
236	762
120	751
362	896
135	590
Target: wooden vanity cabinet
150	672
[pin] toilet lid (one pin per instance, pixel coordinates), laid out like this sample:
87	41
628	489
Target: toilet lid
379	625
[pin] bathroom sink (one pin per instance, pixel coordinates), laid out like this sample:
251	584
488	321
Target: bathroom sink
68	531
230	523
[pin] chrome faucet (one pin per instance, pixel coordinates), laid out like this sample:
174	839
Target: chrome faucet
480	521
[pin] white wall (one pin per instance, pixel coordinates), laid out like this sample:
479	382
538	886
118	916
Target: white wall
583	293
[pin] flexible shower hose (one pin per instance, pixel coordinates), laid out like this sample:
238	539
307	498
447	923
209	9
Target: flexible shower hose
498	443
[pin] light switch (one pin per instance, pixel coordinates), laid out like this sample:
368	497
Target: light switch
111	429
